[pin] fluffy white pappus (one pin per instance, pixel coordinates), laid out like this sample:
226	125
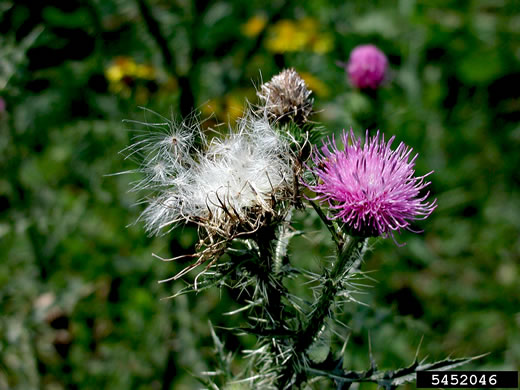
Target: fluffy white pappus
245	170
164	150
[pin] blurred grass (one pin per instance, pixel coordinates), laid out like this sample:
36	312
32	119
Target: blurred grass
80	303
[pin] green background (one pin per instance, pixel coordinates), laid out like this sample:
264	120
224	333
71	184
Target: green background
80	306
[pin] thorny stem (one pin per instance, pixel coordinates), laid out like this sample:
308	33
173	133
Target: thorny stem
347	256
272	285
284	236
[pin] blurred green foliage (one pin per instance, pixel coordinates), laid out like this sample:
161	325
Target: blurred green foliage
79	299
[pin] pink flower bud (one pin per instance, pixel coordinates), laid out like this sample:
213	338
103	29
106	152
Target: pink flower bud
367	66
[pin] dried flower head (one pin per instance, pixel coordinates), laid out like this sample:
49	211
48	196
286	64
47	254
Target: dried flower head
286	97
370	187
367	66
229	186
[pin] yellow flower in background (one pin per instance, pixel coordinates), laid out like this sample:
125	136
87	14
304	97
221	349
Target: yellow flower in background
145	72
290	35
286	36
129	78
254	26
228	108
316	85
118	78
323	44
127	67
114	73
308	24
318	42
234	107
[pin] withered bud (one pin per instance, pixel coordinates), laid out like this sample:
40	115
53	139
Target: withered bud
286	97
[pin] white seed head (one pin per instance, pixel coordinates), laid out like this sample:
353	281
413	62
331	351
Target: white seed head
231	180
243	170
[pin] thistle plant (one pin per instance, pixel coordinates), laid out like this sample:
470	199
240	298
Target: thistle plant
242	188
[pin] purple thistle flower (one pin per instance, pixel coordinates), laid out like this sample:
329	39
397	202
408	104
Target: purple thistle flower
370	187
367	66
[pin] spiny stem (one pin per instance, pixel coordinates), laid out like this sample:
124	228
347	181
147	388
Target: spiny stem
347	255
267	277
284	236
